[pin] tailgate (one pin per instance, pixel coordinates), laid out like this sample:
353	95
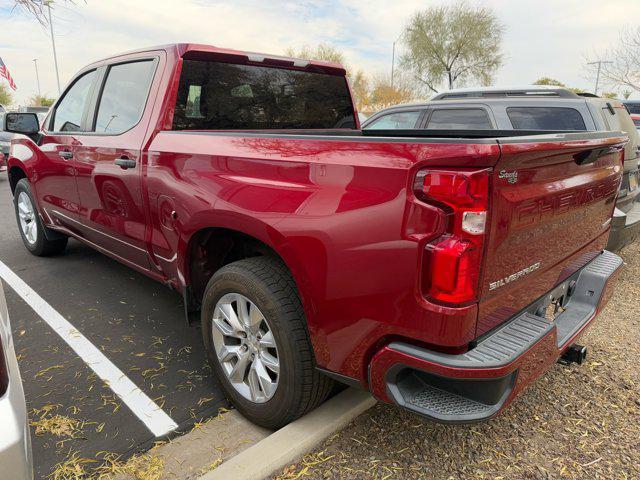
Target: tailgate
551	206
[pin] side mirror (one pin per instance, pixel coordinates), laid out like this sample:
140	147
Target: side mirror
24	123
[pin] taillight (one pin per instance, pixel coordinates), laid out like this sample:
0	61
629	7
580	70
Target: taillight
4	374
451	263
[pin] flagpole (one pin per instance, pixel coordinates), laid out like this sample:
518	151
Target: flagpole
53	42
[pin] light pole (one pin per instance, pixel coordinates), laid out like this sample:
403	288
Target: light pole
35	63
393	57
53	42
599	63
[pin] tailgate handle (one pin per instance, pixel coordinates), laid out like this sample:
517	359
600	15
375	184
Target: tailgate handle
589	156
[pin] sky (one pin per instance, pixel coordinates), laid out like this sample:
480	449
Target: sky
542	38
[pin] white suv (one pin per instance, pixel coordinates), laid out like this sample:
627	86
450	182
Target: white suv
15	440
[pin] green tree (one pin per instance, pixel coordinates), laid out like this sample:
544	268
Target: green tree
6	98
385	94
323	52
41	101
456	43
549	81
626	94
609	95
556	83
361	88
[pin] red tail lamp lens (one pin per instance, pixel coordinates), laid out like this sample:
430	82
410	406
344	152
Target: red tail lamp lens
452	262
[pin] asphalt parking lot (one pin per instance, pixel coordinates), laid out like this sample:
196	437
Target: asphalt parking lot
135	322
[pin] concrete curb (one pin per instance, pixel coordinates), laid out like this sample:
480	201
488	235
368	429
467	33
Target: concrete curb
290	442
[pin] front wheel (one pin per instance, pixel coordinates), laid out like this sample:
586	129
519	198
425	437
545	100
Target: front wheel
257	342
31	229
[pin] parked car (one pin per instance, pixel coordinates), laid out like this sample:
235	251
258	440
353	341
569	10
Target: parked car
531	108
5	144
636	120
444	272
15	439
633	106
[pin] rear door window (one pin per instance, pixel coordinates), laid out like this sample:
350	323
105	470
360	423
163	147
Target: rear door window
545	118
124	96
225	96
459	119
396	121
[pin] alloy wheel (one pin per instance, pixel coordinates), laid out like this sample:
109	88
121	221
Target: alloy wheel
27	217
245	347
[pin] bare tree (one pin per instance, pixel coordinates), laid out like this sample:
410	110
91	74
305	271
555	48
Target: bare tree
37	8
623	71
455	43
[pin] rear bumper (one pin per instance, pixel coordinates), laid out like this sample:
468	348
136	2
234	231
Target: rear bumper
625	227
477	385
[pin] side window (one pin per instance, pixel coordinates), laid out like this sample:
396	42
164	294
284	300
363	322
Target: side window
633	108
68	114
124	96
396	121
545	118
459	119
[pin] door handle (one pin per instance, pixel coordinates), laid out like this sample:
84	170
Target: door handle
125	162
66	154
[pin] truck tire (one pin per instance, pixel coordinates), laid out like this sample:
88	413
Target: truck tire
34	234
256	338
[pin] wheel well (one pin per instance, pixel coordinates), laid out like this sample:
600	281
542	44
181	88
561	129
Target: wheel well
15	175
213	248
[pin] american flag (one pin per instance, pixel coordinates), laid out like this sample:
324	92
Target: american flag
4	72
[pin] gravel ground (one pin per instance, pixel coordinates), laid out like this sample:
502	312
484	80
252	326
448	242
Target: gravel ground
574	422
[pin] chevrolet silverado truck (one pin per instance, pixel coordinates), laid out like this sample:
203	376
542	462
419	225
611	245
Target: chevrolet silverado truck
442	270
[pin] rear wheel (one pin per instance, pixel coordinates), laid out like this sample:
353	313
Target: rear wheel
256	339
31	229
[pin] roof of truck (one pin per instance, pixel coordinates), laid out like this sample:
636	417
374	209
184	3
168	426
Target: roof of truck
192	49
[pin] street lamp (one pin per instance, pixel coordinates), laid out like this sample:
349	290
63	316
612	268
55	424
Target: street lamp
35	63
393	57
599	63
53	42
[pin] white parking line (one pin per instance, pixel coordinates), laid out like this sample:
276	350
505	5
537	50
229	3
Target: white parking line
156	420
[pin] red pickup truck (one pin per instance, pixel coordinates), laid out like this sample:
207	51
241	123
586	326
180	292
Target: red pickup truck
443	271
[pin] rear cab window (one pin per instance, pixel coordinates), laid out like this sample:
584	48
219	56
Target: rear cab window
545	118
459	119
215	95
405	120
